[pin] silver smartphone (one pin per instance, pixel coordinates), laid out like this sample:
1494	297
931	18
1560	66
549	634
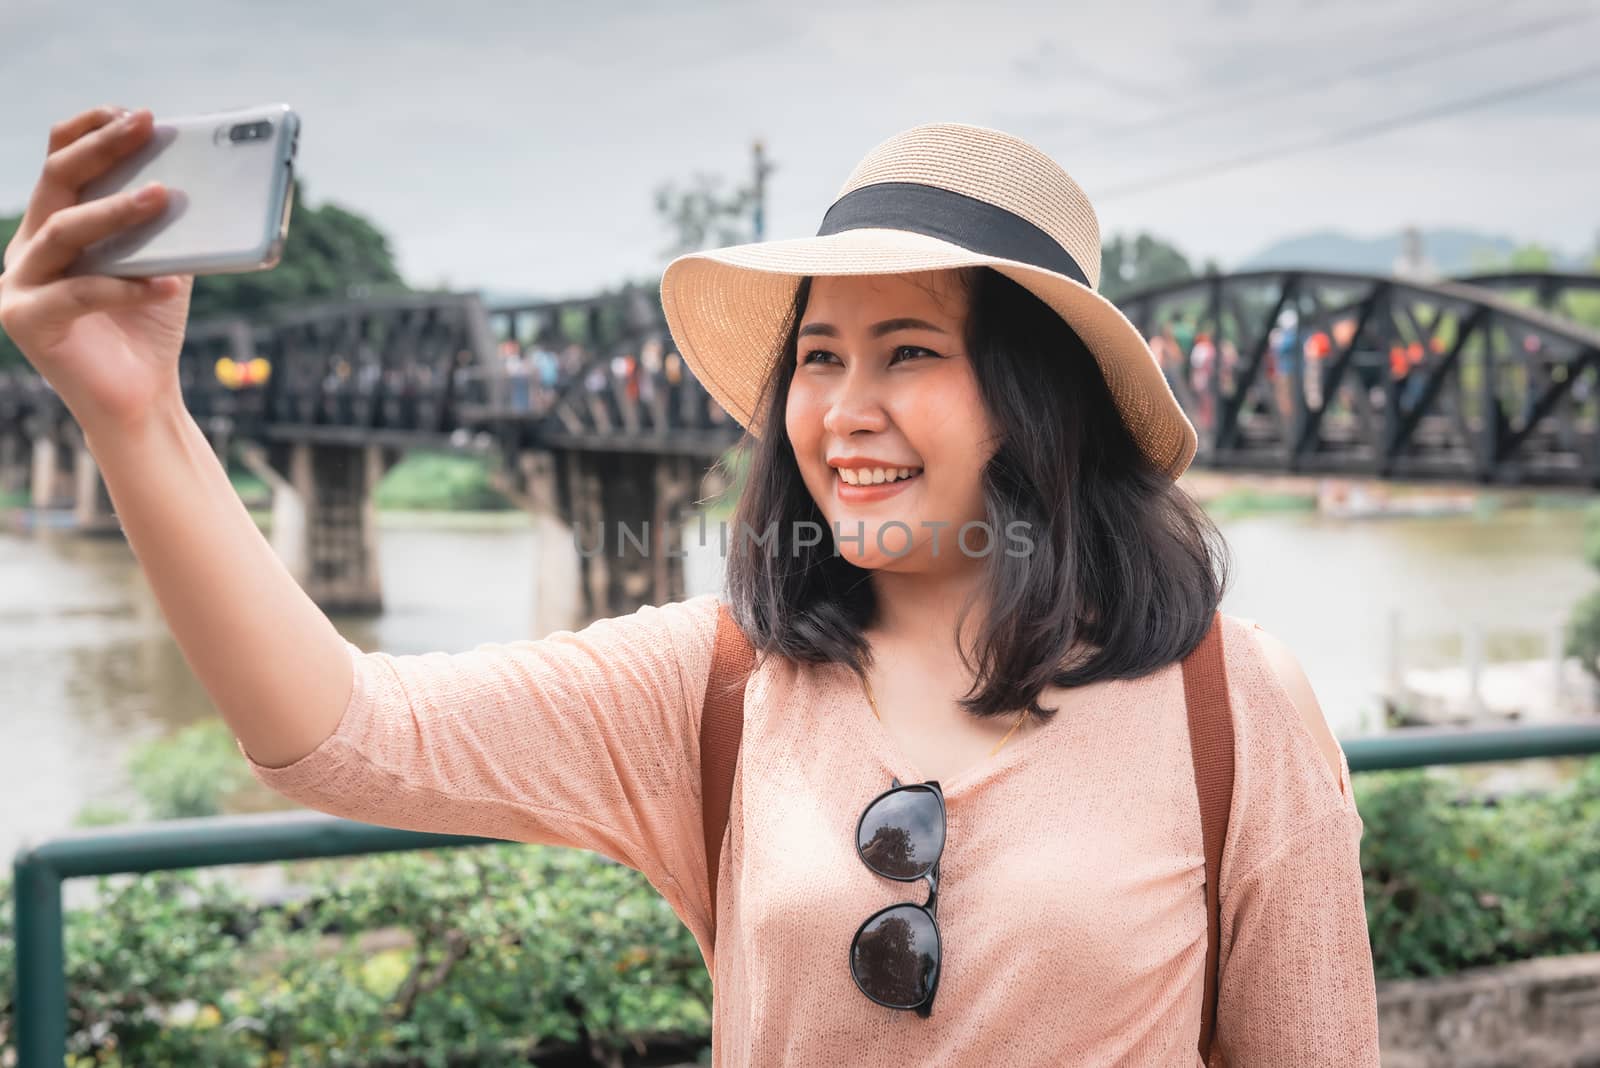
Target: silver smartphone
230	180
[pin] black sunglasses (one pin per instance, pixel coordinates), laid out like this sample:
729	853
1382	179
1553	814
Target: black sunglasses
894	957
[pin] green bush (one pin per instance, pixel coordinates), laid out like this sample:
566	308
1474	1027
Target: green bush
502	954
187	774
1583	627
1453	885
1583	633
426	481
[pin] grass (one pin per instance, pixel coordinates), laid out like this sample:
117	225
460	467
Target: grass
1242	502
440	481
422	482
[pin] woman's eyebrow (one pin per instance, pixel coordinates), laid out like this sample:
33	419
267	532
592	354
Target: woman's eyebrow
888	326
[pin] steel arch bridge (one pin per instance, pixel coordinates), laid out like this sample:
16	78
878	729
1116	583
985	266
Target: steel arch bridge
1490	379
1328	372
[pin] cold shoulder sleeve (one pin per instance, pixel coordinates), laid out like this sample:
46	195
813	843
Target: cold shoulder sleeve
587	739
1296	979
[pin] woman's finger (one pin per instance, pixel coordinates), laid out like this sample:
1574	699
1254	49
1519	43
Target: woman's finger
67	131
68	231
82	159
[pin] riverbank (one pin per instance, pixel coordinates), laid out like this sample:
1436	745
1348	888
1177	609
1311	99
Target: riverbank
1233	495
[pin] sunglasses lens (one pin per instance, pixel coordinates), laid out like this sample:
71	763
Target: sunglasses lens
902	833
895	956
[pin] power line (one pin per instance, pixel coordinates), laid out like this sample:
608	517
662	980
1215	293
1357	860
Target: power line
1353	133
1279	91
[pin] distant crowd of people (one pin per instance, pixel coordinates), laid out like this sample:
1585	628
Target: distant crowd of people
534	374
1190	355
653	378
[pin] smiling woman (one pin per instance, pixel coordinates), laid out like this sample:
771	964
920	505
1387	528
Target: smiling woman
992	451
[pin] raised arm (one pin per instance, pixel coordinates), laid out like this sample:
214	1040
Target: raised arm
109	346
587	739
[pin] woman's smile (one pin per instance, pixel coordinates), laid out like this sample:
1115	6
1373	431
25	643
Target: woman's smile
864	483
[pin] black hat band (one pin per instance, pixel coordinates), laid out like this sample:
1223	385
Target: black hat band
949	216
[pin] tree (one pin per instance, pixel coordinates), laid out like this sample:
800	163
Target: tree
1531	258
703	215
1583	626
1131	264
1581	306
10	355
331	254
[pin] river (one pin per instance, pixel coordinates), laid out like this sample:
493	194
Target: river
87	668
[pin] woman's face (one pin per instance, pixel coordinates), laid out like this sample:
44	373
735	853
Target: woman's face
882	383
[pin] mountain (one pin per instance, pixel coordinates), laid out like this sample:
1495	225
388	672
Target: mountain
1450	251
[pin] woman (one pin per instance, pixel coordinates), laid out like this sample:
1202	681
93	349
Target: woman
979	587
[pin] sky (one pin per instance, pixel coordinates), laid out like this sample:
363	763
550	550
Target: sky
516	147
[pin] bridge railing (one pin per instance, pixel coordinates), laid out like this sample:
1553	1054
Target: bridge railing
40	870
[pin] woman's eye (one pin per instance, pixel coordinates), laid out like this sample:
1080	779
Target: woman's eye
818	355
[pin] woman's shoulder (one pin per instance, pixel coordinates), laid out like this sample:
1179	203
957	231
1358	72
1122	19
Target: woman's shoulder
1277	710
683	631
690	615
1291	787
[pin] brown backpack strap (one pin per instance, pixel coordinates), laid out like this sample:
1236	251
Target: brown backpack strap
721	729
1205	688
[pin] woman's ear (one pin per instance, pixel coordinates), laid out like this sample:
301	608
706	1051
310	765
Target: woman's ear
1293	679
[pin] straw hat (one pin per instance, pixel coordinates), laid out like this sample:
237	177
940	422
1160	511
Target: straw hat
937	196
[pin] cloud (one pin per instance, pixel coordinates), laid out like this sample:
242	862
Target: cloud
517	145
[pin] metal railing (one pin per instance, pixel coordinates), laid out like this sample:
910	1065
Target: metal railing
40	871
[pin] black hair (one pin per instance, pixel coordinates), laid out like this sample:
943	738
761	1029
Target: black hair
1125	571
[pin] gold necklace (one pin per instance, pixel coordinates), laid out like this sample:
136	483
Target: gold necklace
867	685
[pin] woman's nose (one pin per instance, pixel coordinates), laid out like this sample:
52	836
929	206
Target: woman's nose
854	405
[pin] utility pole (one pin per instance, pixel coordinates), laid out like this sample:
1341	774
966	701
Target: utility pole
762	169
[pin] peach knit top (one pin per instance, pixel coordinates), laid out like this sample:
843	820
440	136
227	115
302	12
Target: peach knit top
1072	906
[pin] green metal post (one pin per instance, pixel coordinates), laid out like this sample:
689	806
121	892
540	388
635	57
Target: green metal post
41	977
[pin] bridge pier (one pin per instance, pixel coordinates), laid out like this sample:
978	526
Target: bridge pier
92	512
51	479
532	482
324	521
15	460
626	512
63	476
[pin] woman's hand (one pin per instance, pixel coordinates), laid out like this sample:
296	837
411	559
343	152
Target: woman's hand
109	346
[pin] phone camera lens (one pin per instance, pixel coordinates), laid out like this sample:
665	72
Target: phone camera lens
250	131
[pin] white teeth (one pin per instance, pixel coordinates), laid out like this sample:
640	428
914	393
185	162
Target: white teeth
872	476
